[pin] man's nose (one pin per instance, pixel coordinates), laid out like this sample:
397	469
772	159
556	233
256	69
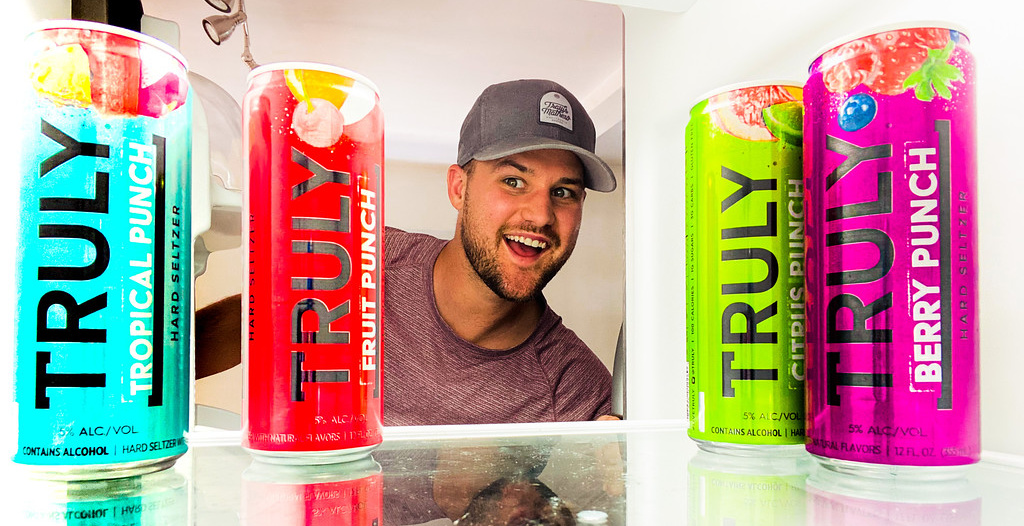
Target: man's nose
537	208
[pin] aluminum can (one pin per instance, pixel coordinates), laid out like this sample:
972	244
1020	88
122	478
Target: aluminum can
350	493
104	265
744	269
157	499
743	491
312	334
891	168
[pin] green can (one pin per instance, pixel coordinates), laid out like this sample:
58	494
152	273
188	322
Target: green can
745	269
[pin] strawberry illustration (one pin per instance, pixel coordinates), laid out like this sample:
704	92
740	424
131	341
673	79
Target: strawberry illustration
850	64
902	53
882	62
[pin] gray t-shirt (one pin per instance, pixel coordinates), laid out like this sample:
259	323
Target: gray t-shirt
432	376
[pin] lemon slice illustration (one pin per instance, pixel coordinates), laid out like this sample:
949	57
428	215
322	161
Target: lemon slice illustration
62	74
307	85
353	99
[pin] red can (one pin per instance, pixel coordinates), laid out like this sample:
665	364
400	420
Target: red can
315	143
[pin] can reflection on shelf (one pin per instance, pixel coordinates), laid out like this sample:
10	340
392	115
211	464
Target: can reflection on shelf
840	499
349	493
155	499
743	490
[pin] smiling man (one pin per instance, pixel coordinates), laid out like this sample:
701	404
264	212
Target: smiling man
468	335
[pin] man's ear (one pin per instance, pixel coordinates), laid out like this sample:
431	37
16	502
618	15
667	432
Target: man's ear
457	180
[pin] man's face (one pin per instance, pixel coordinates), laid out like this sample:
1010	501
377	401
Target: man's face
519	219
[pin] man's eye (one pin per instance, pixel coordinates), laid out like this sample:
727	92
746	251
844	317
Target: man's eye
563	193
514	182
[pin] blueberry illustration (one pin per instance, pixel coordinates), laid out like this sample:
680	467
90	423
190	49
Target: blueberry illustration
954	35
857	112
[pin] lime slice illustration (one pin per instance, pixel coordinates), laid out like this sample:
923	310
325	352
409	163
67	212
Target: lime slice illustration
786	121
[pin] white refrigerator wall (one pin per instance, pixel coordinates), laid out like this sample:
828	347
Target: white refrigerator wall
673	59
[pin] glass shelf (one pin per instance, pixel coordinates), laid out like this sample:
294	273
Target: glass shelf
592	473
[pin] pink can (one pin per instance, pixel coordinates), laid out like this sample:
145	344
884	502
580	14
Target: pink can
891	244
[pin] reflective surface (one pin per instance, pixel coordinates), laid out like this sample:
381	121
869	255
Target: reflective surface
588	474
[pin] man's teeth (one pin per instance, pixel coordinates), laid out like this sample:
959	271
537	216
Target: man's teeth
535	243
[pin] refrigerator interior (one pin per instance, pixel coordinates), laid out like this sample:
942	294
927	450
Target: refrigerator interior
672	53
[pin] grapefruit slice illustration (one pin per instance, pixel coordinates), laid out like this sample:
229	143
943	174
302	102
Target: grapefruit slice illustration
740	112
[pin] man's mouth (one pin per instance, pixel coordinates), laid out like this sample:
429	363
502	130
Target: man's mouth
525	246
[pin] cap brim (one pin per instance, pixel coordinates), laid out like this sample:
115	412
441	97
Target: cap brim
597	175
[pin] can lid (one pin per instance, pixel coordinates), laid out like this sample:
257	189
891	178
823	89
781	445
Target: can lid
894	26
313	66
113	30
742	85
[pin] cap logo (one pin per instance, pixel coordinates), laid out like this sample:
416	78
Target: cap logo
555	109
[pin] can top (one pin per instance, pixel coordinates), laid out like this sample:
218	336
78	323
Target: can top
894	26
113	30
741	85
314	66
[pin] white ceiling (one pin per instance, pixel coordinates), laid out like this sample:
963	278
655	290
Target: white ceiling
429	58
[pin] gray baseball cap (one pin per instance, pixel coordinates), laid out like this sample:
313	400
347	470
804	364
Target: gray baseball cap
523	115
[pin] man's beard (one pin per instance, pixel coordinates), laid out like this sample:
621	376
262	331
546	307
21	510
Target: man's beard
487	266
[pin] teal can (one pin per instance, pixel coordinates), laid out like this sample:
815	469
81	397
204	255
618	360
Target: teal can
103	267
